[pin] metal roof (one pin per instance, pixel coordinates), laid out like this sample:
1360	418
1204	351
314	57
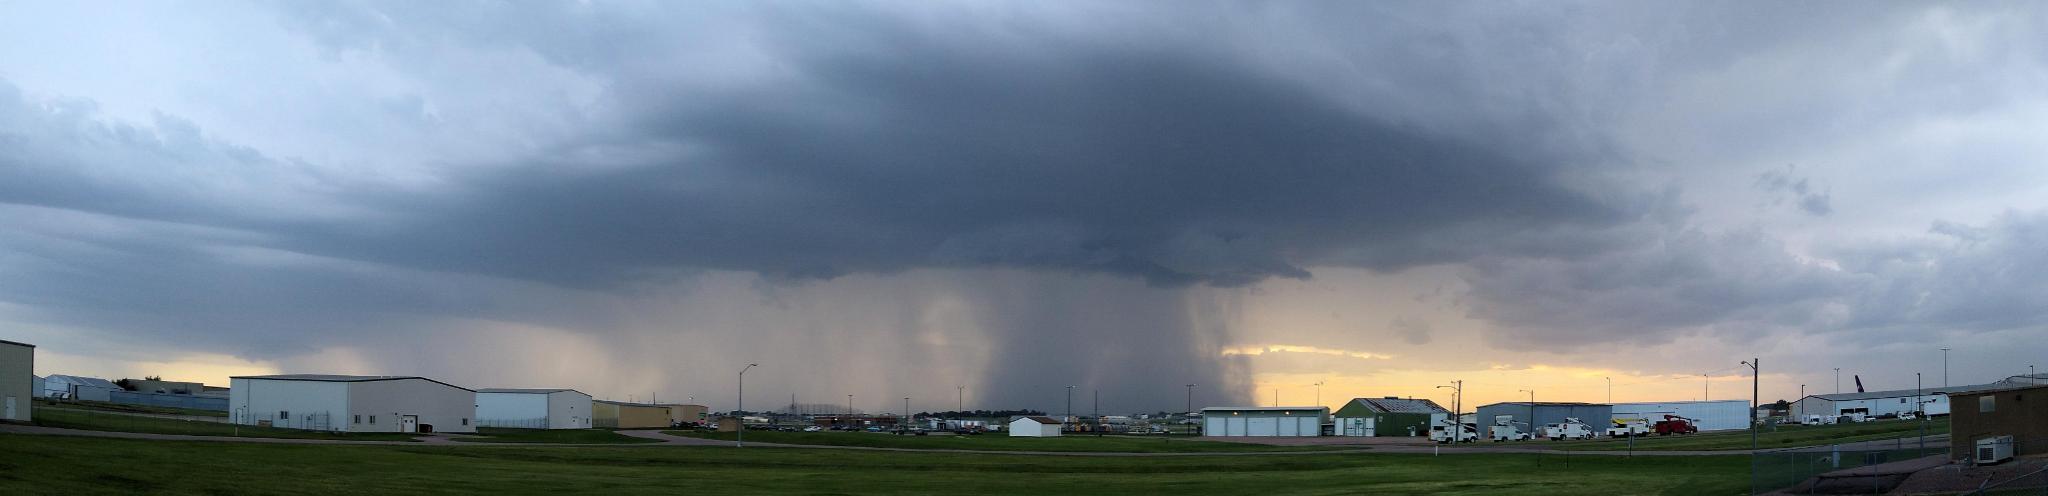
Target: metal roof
528	390
1267	408
1399	405
1901	393
1544	403
344	378
3	341
1039	419
87	381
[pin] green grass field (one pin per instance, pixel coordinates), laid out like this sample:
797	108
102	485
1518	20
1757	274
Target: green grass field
87	420
71	465
575	436
1784	436
123	407
1002	442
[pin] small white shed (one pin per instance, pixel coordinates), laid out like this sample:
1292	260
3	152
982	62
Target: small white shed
532	408
1035	426
351	403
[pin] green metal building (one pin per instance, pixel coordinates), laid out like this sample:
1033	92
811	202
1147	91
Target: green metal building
1387	417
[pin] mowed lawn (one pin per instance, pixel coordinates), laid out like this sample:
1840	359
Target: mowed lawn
95	421
1784	436
1003	442
569	436
74	465
124	407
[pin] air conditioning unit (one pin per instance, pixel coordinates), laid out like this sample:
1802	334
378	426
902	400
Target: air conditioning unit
1994	449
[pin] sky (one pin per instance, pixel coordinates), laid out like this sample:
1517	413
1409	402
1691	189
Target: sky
1275	202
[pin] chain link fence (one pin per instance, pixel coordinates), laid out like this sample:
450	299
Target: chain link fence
1902	466
525	423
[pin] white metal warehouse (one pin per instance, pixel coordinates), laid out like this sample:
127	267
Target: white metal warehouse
1264	421
532	408
1035	426
1932	400
17	380
1713	415
351	403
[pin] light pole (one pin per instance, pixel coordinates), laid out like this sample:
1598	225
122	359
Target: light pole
1532	408
1097	426
1610	390
849	410
739	437
907	420
1917	413
2031	379
1190	415
1838	380
1070	408
1755	385
1706	387
959	398
1944	367
1457	427
1319	393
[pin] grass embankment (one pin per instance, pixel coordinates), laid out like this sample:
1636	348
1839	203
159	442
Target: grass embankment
70	465
1003	442
124	407
566	436
1772	437
86	420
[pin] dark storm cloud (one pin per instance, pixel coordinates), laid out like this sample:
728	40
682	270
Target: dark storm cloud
938	149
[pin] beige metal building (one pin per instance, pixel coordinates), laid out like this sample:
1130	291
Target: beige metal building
682	414
17	380
623	415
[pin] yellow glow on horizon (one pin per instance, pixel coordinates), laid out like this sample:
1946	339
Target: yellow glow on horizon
1285	348
1496	383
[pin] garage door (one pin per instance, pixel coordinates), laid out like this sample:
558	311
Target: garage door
1213	426
1288	427
1234	426
1262	426
1310	426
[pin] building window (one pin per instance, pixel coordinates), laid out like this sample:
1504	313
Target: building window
373	420
1987	404
359	419
284	415
465	421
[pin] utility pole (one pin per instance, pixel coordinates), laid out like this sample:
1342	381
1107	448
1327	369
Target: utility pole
1190	414
1098	414
1918	414
849	410
959	398
739	437
907	420
1755	387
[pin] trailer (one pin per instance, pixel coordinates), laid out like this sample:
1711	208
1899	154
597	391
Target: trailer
1571	428
1629	428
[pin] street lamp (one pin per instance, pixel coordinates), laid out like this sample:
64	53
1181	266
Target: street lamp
1457	397
1070	407
739	437
1610	390
1838	380
849	410
959	398
1532	408
1944	367
907	420
1190	415
1756	382
1319	393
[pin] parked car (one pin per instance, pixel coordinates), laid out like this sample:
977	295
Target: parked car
813	429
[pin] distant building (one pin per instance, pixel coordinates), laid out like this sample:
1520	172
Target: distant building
2017	411
1931	400
685	414
1544	413
351	403
165	387
533	408
17	381
1706	415
36	388
623	415
1388	416
1264	421
1035	426
71	387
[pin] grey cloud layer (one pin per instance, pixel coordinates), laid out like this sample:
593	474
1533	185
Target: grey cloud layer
618	147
